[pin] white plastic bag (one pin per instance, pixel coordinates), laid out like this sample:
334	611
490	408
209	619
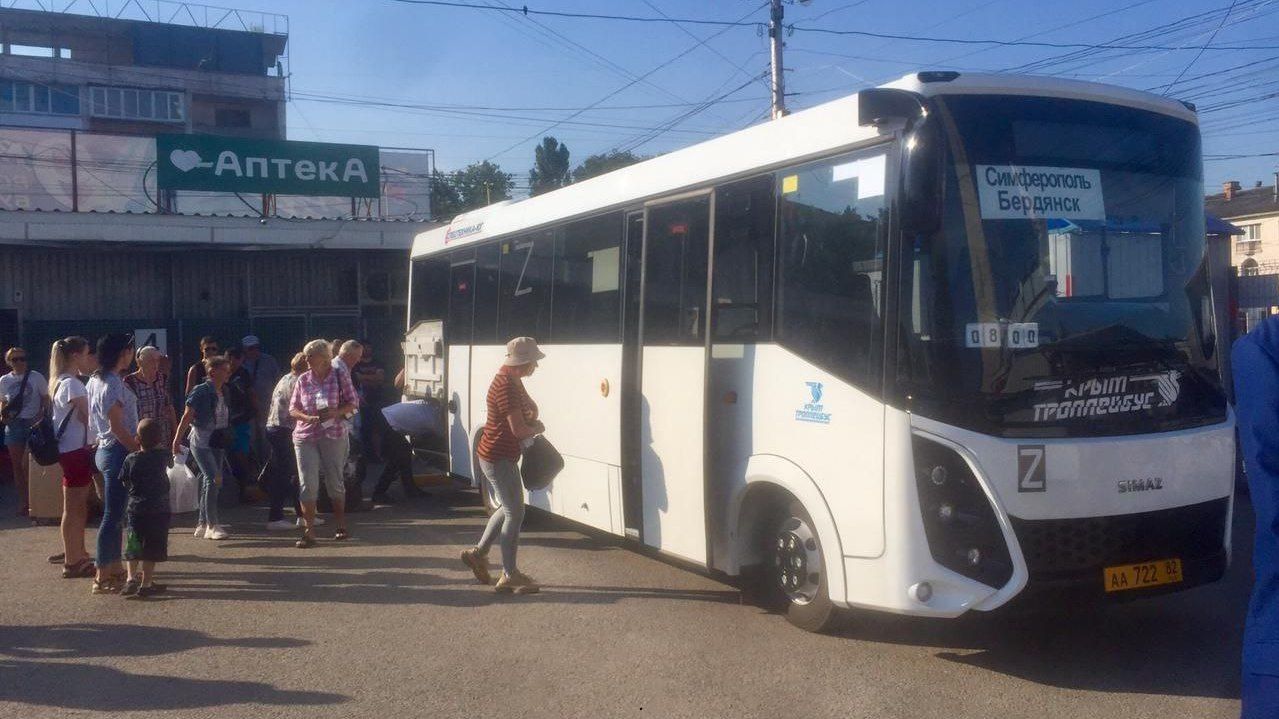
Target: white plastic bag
184	490
416	417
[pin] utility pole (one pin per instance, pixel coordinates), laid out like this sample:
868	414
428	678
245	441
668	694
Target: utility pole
775	40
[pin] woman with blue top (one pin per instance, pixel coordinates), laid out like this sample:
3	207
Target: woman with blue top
113	419
209	419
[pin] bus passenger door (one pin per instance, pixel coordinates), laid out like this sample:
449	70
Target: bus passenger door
458	331
672	377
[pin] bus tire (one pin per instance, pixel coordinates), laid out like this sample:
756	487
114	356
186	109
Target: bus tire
795	570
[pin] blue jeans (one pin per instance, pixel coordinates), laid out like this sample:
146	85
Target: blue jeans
504	525
110	458
210	462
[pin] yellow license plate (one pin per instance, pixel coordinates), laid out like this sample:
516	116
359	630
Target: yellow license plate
1139	576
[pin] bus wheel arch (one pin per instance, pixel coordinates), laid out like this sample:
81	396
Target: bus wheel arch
782	522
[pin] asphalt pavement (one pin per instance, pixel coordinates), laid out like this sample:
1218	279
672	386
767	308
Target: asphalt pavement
391	624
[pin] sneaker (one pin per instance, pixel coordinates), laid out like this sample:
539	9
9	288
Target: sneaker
151	590
279	525
518	583
216	533
131	588
199	531
479	564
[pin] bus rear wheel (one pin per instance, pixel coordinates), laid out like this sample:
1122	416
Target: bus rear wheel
795	570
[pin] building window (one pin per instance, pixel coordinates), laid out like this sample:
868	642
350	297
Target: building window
32	50
1250	232
229	117
43	99
128	103
1248	268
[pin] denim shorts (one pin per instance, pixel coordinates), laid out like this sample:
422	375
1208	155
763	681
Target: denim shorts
17	431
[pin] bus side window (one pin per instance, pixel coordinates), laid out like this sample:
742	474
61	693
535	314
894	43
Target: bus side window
487	272
430	295
588	261
742	278
830	246
461	319
524	292
675	273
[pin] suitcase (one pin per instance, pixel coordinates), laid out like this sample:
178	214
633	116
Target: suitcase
45	492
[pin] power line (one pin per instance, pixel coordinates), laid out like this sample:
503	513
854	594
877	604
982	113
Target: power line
623	88
1214	158
508	108
1200	54
525	10
727	24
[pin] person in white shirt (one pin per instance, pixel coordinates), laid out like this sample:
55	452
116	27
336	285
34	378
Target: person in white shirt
69	359
24	398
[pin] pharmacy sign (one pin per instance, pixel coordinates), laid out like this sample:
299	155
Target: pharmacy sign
212	163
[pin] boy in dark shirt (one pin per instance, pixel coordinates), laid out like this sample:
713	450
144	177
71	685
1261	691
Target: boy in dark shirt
146	475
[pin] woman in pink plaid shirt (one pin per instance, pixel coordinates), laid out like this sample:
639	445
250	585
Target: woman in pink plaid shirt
322	398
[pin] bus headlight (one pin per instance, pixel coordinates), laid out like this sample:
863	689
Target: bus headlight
960	524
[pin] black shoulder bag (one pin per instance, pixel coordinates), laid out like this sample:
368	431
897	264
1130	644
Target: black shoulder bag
14	408
43	442
542	462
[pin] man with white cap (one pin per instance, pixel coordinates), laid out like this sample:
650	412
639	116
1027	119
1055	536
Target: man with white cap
512	419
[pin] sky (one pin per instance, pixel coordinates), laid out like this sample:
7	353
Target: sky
488	85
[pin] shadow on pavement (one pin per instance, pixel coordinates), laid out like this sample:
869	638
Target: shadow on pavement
1183	644
85	641
91	687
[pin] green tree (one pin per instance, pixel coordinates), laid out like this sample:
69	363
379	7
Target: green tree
446	201
550	167
596	165
481	184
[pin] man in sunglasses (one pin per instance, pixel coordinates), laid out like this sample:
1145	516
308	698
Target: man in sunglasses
24	398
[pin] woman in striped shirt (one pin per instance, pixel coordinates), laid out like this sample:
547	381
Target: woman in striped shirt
512	419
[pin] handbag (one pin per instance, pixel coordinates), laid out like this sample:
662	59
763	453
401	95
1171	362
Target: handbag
541	463
14	408
43	442
221	439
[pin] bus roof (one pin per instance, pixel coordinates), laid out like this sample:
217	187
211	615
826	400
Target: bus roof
806	134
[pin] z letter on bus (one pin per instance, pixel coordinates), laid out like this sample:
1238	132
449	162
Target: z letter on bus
1012	192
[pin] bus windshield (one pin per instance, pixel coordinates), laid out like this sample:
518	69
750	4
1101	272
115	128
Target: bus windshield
1061	289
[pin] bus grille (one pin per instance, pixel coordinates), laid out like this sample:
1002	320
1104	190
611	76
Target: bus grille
1057	547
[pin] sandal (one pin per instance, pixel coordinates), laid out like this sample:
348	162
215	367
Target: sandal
341	536
82	569
58	558
306	542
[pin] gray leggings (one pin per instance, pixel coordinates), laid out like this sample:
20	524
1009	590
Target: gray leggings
504	476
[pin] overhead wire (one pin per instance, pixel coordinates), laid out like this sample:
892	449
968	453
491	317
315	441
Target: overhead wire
1200	54
625	87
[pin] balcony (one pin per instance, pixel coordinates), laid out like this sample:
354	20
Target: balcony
1248	248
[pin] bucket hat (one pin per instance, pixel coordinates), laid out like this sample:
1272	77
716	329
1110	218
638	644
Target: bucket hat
521	351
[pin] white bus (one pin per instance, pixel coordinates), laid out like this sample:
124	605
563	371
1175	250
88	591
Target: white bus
917	350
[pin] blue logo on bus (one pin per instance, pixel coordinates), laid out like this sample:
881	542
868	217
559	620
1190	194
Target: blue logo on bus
813	411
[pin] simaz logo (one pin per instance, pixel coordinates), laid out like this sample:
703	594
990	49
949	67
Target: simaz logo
1148	484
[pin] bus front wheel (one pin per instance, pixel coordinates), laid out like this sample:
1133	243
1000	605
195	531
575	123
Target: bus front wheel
795	571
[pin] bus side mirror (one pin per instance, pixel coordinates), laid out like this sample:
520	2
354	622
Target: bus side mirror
881	104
